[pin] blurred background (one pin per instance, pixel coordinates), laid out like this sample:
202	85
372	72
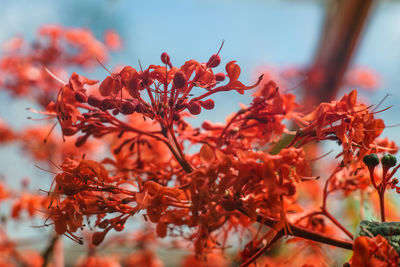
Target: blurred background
311	38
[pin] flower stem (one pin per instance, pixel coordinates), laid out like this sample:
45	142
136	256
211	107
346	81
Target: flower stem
382	204
337	223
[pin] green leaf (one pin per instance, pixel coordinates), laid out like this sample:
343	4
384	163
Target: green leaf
389	230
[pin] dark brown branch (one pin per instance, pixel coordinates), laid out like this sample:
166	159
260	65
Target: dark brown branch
49	250
302	232
343	26
261	250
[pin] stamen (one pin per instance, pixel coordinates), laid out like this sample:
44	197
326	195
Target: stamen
382	110
54	76
42	119
40	168
393	126
40	112
104	67
296	86
320	157
222	44
380	102
305	178
140	65
51	130
55	165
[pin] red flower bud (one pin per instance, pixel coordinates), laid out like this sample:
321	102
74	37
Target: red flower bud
80	96
81	140
70	130
179	80
119	227
98	237
207	126
207	104
220	77
165	58
228	204
71	190
194	108
161	229
94	101
107	103
213	61
127	107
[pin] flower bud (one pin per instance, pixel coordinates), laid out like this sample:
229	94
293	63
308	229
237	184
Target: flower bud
81	140
69	130
220	77
161	229
389	160
71	190
127	107
371	160
179	80
194	108
207	126
228	204
80	96
119	227
207	104
165	58
213	61
98	237
140	108
107	103
103	224
94	101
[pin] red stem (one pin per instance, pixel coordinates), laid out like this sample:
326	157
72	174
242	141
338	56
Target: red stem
337	223
326	212
371	175
382	204
381	192
185	165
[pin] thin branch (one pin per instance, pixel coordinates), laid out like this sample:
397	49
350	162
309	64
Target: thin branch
49	250
302	232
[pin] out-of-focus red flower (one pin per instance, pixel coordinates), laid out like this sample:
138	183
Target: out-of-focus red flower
97	261
31	258
211	260
362	77
112	40
143	257
6	134
32	204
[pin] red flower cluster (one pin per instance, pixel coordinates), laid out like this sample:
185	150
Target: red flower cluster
203	184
